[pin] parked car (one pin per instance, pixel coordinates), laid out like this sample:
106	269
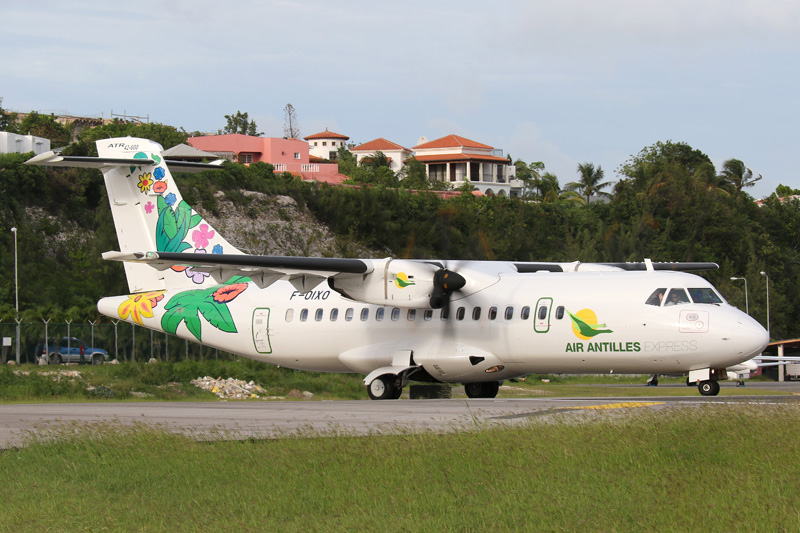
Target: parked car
72	350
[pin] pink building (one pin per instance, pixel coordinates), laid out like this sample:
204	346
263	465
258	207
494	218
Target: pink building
285	155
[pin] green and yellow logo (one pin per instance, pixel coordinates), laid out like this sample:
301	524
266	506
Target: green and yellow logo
585	326
401	280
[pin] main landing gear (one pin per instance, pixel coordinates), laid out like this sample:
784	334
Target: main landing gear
390	387
486	389
709	387
385	387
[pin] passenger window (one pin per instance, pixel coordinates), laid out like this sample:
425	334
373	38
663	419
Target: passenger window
656	297
460	313
365	314
334	314
303	315
318	315
559	312
492	313
509	313
476	313
526	312
379	313
348	315
428	314
677	297
289	315
395	314
412	314
543	312
704	296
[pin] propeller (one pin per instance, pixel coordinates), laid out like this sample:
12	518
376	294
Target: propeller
445	282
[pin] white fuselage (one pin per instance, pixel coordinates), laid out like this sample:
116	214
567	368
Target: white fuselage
511	325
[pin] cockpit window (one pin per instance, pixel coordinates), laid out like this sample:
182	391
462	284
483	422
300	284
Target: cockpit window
705	296
656	297
677	297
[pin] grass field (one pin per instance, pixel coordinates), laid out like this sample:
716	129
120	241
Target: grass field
710	468
171	382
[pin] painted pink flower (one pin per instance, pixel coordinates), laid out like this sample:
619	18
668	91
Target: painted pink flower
202	235
228	292
148	207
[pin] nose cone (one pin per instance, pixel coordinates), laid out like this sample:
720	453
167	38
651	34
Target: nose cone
750	338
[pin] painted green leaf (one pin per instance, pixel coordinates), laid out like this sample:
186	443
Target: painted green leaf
218	315
194	325
171	321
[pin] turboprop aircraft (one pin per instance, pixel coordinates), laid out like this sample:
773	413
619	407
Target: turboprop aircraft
395	321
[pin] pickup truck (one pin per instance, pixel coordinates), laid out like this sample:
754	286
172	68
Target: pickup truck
73	350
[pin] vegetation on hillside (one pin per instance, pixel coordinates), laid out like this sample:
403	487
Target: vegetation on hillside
670	204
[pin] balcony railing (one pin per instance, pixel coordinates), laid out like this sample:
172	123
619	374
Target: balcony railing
309	168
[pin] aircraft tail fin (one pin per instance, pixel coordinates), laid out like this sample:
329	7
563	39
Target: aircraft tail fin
149	212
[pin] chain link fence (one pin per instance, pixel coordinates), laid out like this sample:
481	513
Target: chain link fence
122	341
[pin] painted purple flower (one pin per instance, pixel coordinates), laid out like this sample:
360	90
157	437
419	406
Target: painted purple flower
159	173
148	207
197	277
217	249
170	199
202	235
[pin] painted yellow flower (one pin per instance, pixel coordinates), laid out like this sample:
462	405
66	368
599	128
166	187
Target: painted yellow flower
139	306
145	182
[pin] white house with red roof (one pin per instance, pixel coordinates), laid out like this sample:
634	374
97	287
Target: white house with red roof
457	160
395	153
326	144
285	155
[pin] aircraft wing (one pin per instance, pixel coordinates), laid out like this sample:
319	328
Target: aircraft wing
304	273
577	266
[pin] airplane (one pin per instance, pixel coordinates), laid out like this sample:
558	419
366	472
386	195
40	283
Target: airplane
395	321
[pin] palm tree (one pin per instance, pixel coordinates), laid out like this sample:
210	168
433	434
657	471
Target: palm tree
591	181
737	175
552	192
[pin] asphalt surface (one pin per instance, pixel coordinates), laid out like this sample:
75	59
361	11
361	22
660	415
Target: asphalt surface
249	419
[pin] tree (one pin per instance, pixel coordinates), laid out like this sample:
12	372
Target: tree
551	191
413	175
784	191
45	126
591	181
239	123
8	121
737	175
291	128
376	160
530	175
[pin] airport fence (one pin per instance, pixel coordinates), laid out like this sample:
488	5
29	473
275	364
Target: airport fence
122	341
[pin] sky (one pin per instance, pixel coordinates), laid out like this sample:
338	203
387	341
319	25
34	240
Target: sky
559	81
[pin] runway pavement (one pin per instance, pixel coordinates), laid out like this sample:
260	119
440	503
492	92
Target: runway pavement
235	420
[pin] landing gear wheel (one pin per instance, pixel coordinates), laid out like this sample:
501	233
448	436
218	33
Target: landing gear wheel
384	388
708	388
482	390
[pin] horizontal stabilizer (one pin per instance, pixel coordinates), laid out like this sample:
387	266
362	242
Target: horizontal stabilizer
56	160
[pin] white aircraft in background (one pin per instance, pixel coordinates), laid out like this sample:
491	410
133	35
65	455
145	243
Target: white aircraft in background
396	321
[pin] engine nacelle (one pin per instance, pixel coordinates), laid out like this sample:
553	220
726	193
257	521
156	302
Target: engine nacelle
396	282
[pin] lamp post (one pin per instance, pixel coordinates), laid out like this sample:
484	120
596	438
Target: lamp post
746	300
16	289
765	275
